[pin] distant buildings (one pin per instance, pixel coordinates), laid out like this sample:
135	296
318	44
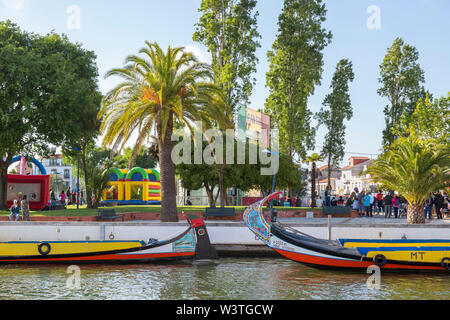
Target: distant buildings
61	174
345	180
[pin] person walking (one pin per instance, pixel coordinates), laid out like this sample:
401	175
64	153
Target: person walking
360	202
428	208
298	202
446	205
372	203
387	200
25	205
379	201
396	205
15	211
438	204
355	205
366	203
62	197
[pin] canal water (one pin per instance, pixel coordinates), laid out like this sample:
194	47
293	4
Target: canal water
229	278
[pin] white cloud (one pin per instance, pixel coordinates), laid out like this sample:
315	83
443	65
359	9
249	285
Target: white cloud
14	4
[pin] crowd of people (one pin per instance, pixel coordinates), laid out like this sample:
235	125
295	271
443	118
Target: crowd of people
390	204
68	197
368	203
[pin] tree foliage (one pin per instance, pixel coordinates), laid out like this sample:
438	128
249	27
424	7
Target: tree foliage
228	29
242	174
45	82
296	66
401	77
430	120
339	109
414	168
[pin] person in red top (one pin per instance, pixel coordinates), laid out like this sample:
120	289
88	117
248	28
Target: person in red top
62	197
380	204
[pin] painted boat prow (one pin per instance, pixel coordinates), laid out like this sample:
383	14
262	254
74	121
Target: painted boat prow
410	255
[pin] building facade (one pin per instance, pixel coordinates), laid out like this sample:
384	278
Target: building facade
61	174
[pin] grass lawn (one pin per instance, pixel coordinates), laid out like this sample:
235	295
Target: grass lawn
72	211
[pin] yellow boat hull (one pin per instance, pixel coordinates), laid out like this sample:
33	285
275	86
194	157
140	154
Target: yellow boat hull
425	251
22	248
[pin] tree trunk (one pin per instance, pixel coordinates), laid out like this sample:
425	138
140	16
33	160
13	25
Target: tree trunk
329	172
221	188
415	214
313	185
169	212
4	182
3	186
88	192
212	201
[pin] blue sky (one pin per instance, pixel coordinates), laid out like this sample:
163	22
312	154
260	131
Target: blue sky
115	29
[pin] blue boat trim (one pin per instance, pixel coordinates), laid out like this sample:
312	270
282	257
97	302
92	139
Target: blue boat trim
343	241
365	250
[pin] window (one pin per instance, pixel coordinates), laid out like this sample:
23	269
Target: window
66	174
54	162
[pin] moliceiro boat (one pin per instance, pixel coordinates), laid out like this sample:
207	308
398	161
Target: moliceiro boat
396	254
193	243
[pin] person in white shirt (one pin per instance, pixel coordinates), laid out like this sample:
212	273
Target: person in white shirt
319	202
372	202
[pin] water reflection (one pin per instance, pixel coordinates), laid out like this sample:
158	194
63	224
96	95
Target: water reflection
241	279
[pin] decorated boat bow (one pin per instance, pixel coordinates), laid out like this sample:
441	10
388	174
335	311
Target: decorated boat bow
394	254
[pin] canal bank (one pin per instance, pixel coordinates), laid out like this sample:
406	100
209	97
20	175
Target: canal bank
231	238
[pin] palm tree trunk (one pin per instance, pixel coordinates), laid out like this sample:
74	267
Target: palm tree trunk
415	214
313	186
169	212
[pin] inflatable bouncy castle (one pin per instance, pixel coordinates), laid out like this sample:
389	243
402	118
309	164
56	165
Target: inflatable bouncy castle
35	187
135	187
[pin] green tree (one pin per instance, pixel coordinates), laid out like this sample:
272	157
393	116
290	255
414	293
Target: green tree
401	77
288	177
160	90
86	131
228	28
144	159
296	66
45	81
414	168
242	174
339	109
430	120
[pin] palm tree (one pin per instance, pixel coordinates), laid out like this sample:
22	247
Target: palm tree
414	168
160	91
313	159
